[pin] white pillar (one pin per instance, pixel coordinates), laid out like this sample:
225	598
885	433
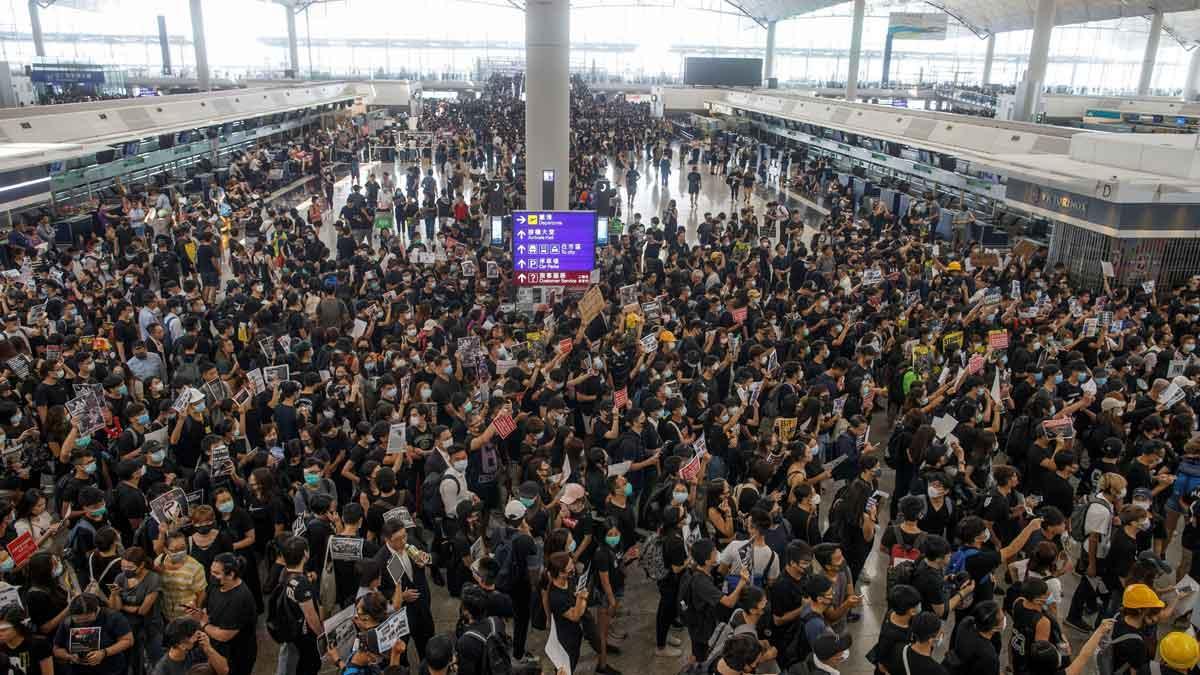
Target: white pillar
201	50
769	62
547	99
1147	74
35	25
1193	72
293	49
860	8
988	57
1030	90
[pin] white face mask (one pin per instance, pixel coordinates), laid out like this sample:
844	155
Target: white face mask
816	500
987	534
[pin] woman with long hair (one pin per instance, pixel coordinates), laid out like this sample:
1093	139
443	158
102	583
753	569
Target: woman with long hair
674	557
45	596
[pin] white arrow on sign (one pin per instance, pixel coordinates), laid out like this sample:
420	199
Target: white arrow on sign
521	248
521	278
521	220
521	234
520	263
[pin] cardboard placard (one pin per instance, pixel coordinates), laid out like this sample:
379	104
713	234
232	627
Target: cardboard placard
21	549
739	315
504	425
401	515
785	427
397	438
339	634
84	639
591	304
998	339
393	629
273	375
621	397
87	414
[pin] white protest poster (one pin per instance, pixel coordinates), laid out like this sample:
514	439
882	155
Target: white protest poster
943	425
273	375
345	548
393	629
397	438
170	509
555	651
340	633
619	469
400	514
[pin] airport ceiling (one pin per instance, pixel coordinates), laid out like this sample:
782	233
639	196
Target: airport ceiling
997	16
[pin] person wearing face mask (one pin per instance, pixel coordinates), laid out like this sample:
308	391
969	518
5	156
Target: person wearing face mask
21	646
366	657
1031	623
188	647
108	657
916	658
206	541
1124	545
81	540
741	654
854	517
787	596
1092	594
137	593
184	580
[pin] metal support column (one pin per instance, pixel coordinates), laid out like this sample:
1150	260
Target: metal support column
1151	54
1193	72
887	59
860	9
1030	90
547	100
988	57
164	45
293	49
769	61
35	25
202	80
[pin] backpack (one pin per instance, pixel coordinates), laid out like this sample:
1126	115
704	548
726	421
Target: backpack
902	551
506	581
1079	517
284	618
1104	655
651	560
432	507
74	554
497	650
1185	484
892	455
958	560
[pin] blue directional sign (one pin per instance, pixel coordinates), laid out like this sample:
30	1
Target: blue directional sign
554	248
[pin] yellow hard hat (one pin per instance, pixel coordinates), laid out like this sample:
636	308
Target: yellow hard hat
954	267
666	336
1179	651
1140	596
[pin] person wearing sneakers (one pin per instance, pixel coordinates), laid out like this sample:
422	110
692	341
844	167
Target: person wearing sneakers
1178	654
1131	651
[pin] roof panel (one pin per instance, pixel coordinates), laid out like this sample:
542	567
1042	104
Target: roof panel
998	16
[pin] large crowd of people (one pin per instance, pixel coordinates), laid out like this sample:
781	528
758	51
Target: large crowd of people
209	447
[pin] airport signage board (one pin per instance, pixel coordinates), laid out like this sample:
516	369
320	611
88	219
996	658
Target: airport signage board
554	248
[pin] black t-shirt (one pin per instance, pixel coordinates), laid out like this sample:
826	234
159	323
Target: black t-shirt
25	658
44	604
979	656
937	521
206	255
234	610
674	551
805	526
928	580
786	594
1121	555
892	639
129	503
113	626
913	663
47	395
1135	654
300	590
997	510
570	633
1058	492
693	179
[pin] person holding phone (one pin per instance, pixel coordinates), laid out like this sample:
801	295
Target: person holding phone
137	594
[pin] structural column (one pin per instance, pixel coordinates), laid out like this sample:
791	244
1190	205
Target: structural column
164	45
293	48
860	9
547	100
988	56
201	49
1039	52
1156	20
769	62
35	25
1193	72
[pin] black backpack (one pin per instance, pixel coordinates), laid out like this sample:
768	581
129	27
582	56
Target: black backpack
285	620
506	580
497	650
432	508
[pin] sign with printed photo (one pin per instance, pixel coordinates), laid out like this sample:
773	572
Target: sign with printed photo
346	548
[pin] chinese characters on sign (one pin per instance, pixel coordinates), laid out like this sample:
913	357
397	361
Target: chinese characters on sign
554	247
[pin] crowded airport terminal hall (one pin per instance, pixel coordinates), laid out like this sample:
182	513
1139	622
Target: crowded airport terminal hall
561	337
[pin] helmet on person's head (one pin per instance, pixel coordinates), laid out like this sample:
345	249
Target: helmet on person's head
1179	651
1140	596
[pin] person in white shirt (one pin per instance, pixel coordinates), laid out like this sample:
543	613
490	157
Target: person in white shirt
1097	529
764	563
454	481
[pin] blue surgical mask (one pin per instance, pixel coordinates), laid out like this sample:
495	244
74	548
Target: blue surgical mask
613	540
199	407
527	502
1101	381
448	370
1058	378
158	456
123	390
1037	377
7	565
312	478
571	547
679	497
1081	377
90	468
143	419
629	489
225	507
83	441
15	419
